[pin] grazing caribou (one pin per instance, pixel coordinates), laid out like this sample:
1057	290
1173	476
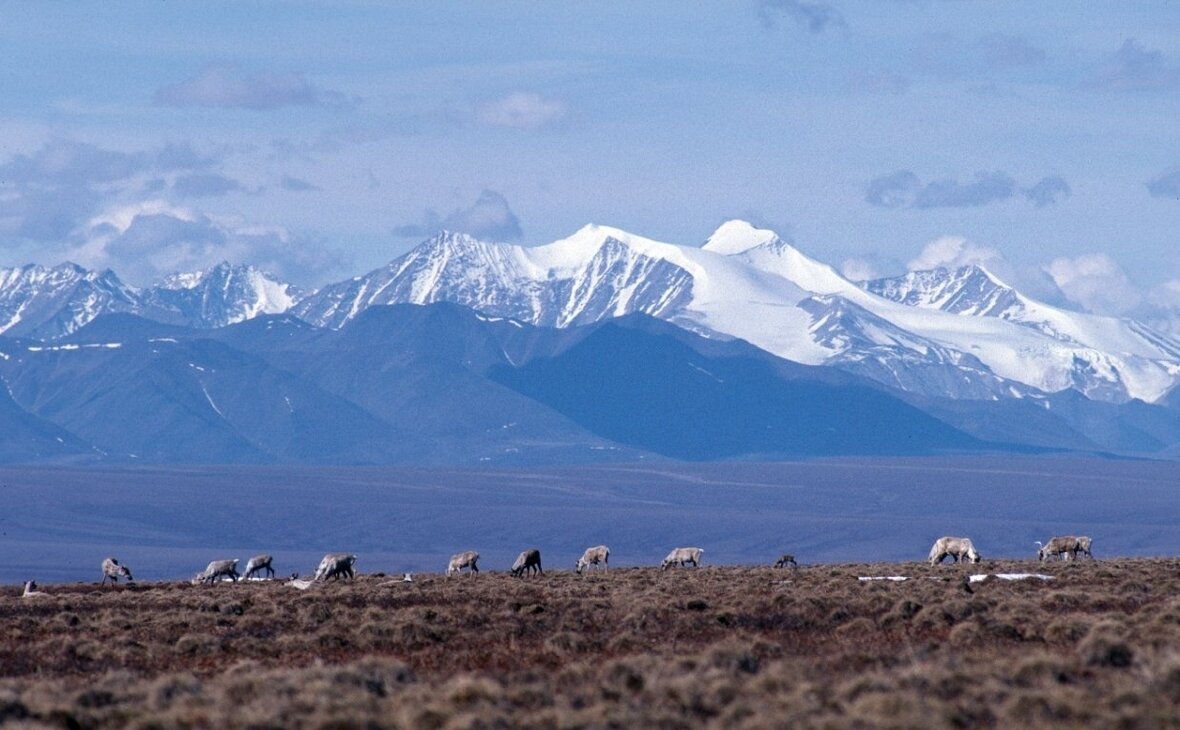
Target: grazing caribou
218	569
465	559
1066	547
959	548
336	566
529	560
113	571
683	556
786	559
594	556
257	564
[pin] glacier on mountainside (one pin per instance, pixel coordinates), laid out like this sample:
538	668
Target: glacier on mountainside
956	333
51	302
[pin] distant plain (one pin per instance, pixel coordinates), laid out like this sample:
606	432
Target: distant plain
168	522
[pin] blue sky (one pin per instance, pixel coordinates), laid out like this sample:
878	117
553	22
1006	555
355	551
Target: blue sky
321	140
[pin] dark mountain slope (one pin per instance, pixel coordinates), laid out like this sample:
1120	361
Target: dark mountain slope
655	392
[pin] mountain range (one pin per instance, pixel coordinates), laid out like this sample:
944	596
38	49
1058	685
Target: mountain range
603	345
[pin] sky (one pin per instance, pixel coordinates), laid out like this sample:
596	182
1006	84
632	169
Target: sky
320	140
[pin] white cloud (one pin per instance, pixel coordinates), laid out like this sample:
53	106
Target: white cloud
859	270
489	218
147	240
521	110
1096	282
952	252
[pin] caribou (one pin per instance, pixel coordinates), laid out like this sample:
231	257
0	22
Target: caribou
257	564
784	560
529	560
1066	547
113	571
593	556
465	559
682	556
218	569
335	566
959	548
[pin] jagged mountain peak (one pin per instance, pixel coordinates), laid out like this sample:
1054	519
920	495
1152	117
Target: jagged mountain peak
53	301
222	294
940	326
970	290
193	279
574	251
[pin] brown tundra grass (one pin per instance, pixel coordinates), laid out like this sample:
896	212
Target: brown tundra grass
727	647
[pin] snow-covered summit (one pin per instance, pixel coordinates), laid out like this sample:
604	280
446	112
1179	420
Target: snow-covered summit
736	236
47	302
51	302
222	294
951	333
968	290
960	333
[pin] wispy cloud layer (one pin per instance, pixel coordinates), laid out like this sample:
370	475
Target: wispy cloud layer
296	185
1048	191
814	16
903	189
227	87
1166	185
1136	68
521	110
1007	51
204	184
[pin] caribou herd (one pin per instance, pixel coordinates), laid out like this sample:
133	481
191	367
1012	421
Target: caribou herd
337	566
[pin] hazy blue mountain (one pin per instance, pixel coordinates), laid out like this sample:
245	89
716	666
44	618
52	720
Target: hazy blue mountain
656	393
25	437
192	401
421	369
444	384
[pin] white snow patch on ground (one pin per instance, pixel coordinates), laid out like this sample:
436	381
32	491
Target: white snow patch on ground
1010	576
211	403
71	346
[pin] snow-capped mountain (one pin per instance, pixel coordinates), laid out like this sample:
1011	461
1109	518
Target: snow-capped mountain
969	290
579	280
49	303
958	333
221	295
